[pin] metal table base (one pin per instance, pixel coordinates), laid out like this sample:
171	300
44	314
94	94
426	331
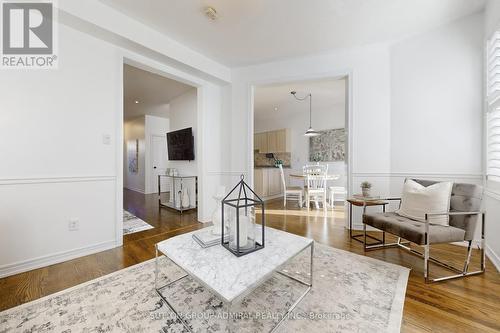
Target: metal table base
361	234
228	305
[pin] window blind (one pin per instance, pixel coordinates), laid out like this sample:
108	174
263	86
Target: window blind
493	101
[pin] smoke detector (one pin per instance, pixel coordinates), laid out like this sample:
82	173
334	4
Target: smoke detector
211	13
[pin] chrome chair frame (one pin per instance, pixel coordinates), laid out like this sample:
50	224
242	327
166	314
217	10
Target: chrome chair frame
426	255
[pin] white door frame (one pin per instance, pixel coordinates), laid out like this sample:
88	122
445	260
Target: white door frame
162	69
348	75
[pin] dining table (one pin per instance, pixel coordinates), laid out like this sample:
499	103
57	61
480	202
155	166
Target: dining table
329	177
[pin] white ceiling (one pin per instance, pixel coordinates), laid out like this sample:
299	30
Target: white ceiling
254	31
325	93
153	92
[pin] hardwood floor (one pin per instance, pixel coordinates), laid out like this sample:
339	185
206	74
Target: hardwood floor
462	305
137	247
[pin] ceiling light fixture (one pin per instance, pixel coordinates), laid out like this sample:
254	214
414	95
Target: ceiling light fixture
310	131
211	13
275	108
136	102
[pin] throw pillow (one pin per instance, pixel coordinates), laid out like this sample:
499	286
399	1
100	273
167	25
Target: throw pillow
418	200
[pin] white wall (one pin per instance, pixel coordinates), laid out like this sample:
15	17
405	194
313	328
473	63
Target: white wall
134	129
56	166
436	105
297	123
492	204
492	14
369	69
183	114
436	101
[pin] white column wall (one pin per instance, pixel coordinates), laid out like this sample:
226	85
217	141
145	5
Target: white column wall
57	167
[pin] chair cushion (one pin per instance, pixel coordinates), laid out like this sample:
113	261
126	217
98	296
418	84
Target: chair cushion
412	230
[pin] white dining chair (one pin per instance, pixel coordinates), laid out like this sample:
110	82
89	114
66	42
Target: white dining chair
316	190
315	184
315	169
291	192
337	193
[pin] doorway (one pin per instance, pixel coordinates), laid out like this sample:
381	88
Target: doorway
280	121
153	107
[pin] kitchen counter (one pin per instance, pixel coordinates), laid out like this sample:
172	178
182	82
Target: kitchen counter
271	167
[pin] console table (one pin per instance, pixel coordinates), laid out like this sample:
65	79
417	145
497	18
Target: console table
173	203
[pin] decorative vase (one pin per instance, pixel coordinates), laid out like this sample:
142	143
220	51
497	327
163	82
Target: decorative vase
192	199
185	199
365	191
178	200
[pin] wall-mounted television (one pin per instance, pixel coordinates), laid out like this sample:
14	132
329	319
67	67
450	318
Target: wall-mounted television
181	145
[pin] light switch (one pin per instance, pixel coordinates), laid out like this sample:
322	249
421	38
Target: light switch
73	224
106	139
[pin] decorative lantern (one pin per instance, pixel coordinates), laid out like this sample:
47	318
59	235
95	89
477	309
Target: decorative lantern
239	213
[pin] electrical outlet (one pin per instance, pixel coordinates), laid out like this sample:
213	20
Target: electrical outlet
73	224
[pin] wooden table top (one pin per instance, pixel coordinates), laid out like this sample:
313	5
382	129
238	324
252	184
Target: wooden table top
370	202
302	176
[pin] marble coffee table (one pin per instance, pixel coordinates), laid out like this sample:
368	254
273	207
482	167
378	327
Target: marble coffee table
231	278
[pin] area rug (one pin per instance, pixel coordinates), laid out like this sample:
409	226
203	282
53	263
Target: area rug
132	223
351	293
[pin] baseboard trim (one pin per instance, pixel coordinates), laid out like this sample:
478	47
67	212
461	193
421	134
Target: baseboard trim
476	244
495	259
51	259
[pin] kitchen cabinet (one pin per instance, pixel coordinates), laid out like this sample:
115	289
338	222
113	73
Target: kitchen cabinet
274	182
277	141
283	140
272	142
260	142
267	182
260	182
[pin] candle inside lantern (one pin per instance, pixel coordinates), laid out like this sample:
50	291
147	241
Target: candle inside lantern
243	232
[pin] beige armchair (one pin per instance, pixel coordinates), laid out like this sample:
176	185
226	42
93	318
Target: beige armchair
463	216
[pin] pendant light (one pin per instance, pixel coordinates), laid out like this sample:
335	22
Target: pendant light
310	131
